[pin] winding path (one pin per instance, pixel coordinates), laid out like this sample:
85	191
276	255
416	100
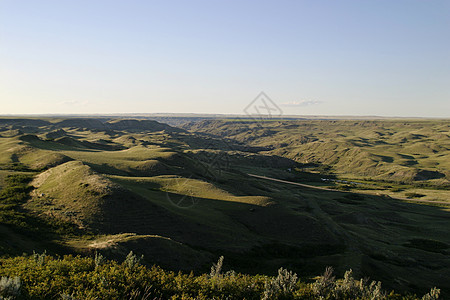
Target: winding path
334	190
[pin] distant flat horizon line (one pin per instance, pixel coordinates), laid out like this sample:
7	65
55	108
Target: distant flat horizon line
218	115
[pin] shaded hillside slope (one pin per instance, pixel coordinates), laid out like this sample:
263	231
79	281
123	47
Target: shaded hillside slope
182	198
388	150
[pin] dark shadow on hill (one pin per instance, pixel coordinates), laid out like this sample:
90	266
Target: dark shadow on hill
396	238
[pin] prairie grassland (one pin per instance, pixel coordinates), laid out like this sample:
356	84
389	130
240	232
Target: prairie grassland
392	157
155	192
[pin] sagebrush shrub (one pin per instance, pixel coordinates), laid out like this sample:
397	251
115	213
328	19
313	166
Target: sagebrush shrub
81	278
216	269
325	284
327	287
132	260
68	297
9	287
99	259
39	259
282	285
432	295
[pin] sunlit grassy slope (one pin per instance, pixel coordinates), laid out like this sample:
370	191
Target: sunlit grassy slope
399	158
182	198
388	150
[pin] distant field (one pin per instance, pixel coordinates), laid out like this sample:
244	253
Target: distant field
183	198
392	157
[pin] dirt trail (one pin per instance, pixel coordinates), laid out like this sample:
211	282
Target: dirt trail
334	190
352	257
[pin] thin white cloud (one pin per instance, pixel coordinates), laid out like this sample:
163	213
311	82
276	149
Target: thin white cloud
301	103
73	103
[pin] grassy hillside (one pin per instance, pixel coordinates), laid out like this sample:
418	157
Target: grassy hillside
183	198
406	154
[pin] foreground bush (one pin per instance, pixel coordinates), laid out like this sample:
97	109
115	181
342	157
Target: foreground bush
40	276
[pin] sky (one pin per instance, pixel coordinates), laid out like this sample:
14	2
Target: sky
317	57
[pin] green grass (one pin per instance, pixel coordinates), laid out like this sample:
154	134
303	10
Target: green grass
46	277
21	229
116	191
413	154
192	188
356	144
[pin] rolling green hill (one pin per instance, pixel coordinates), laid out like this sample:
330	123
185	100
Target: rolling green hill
412	154
182	197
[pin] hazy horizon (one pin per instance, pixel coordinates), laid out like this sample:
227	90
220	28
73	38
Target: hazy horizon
216	116
316	58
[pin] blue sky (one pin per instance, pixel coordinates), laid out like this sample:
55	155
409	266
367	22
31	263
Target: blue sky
386	58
